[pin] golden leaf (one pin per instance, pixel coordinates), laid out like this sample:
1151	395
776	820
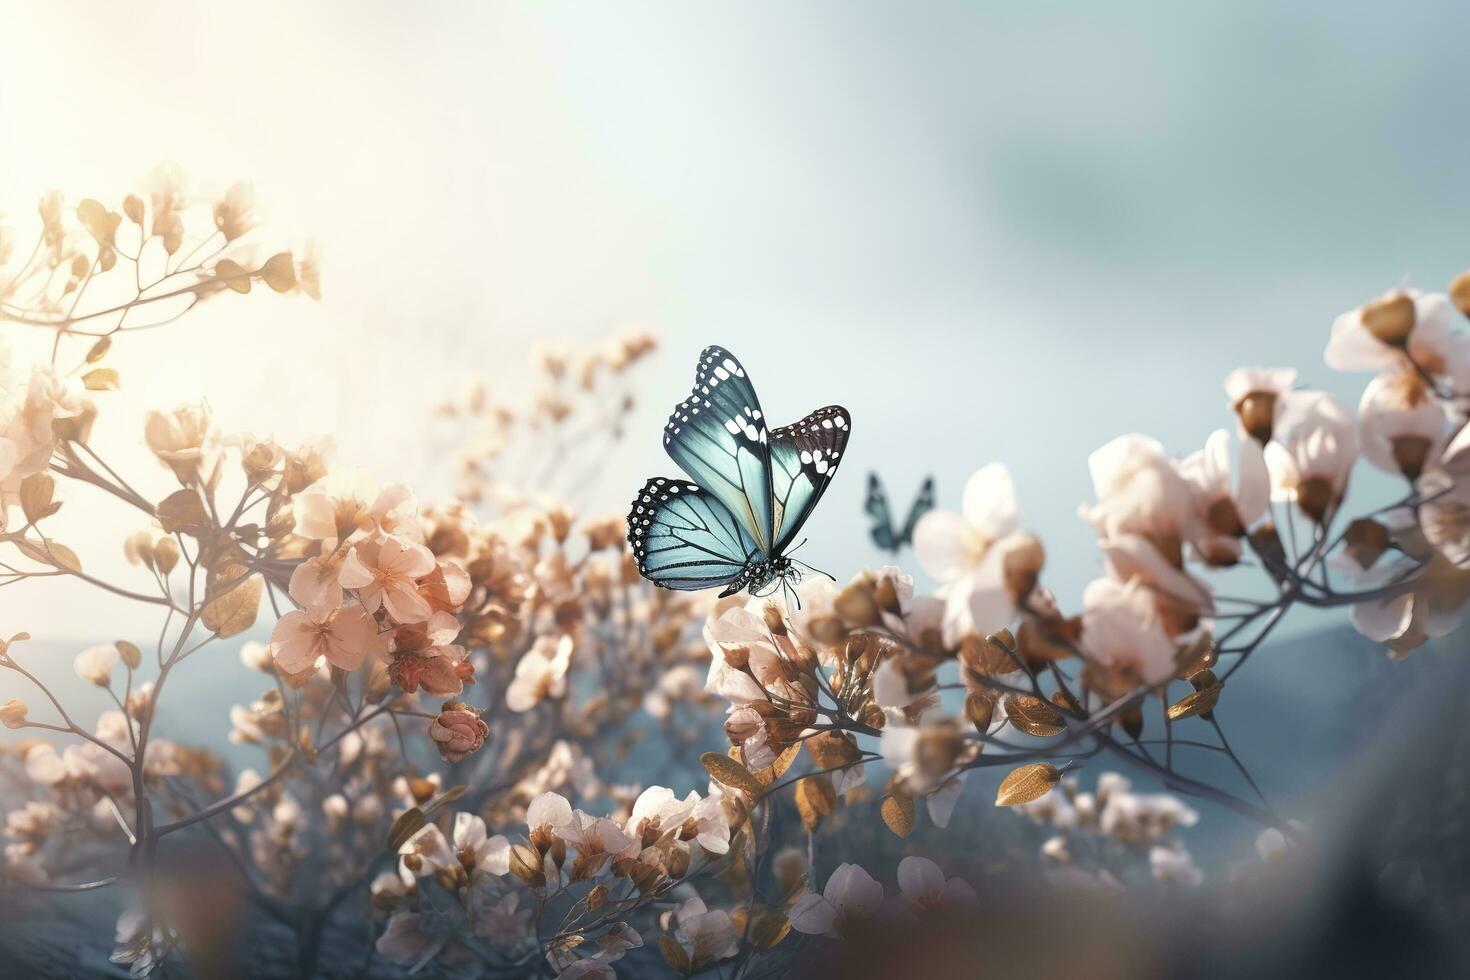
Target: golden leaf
133	208
1200	702
777	769
729	772
279	272
233	610
232	274
129	653
674	954
898	813
1027	783
444	799
409	822
770	930
37	493
832	749
1033	715
99	350
182	510
100	223
101	379
49	552
815	799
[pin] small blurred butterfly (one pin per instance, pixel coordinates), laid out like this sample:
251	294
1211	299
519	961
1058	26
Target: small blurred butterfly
885	535
755	487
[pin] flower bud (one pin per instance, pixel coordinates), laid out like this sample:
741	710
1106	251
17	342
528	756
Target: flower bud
1460	292
1365	541
980	709
1022	567
885	594
857	606
1257	412
1390	319
1410	453
1316	496
775	619
736	657
525	864
676	862
165	555
458	731
138	549
13	713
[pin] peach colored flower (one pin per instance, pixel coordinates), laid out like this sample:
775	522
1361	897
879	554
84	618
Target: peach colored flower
540	674
94	664
1122	630
447	587
315	585
458	731
426	656
385	574
345	637
235	213
184	440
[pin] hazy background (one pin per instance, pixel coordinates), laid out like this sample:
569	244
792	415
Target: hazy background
992	231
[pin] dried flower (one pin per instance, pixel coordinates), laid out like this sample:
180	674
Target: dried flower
458	731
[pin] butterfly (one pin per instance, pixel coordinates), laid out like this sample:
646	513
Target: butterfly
885	535
748	492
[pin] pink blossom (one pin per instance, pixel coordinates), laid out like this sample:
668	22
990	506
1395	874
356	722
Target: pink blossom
385	575
345	637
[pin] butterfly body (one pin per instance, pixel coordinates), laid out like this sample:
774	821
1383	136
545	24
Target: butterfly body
749	491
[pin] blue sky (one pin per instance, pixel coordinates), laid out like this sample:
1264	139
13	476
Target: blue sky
994	232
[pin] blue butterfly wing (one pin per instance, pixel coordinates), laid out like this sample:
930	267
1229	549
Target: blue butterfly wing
684	538
804	458
876	507
922	505
718	436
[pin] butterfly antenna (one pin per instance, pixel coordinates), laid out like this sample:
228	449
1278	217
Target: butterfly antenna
813	568
792	595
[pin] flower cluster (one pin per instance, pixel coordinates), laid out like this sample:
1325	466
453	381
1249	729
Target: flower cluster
459	703
1099	836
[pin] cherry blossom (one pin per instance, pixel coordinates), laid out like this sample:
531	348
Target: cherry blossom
850	898
1399	327
1255	398
344	637
384	573
1122	630
1229	496
925	889
967	552
94	664
1312	453
541	673
1401	428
